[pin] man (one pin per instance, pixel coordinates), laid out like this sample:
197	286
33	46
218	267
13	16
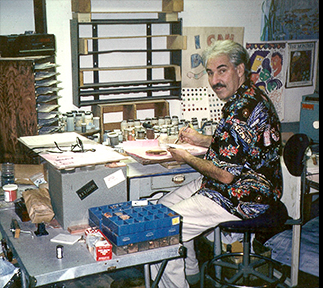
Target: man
240	173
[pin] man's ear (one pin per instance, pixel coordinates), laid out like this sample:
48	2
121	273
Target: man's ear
240	69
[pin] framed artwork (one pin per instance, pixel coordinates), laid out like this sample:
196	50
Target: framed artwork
268	70
301	64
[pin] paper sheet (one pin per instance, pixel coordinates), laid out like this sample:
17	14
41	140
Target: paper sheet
65	238
66	160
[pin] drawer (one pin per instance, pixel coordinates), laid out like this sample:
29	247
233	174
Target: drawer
174	180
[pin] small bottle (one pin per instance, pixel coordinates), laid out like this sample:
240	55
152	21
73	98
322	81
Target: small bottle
161	121
162	139
88	119
150	133
63	120
59	251
123	125
78	121
175	120
207	130
70	122
154	121
83	127
136	122
7	174
167	120
131	123
96	122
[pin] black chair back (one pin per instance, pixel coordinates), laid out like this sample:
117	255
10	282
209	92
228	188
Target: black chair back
294	151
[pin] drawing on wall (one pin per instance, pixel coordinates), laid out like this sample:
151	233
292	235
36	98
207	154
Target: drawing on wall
198	38
268	70
301	64
290	20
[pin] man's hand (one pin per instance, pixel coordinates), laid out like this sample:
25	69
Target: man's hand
179	154
193	137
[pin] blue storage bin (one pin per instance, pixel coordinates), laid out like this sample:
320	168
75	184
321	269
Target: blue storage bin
125	224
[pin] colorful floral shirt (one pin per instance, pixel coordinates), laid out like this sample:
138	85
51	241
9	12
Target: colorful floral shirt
246	143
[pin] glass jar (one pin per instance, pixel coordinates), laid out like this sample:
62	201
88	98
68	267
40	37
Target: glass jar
78	121
7	173
88	119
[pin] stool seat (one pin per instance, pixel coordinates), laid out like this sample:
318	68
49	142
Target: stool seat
247	269
275	216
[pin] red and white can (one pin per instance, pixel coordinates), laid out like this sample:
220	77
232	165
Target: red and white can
10	192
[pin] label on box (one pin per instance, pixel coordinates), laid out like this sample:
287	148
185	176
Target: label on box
87	189
175	221
98	245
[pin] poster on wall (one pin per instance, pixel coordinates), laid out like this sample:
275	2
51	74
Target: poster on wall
301	64
198	38
268	70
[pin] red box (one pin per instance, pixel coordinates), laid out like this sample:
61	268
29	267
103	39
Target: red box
98	245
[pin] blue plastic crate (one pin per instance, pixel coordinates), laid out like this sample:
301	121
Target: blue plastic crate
125	224
147	235
134	219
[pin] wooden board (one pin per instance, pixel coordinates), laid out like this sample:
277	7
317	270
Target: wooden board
137	150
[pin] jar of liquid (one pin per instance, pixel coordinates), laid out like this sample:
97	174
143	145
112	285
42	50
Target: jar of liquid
7	174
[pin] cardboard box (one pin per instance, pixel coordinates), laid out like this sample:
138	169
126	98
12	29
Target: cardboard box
98	245
81	6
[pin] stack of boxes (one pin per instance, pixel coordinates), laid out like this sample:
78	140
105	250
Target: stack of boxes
132	228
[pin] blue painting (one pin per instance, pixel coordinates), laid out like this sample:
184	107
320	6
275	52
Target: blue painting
290	20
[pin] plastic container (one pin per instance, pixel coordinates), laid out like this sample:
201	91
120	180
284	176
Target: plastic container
70	122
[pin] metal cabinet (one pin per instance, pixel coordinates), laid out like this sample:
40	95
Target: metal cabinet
143	181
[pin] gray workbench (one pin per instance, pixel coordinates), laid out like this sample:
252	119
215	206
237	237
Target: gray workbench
37	260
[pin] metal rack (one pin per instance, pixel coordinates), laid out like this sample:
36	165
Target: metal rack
99	73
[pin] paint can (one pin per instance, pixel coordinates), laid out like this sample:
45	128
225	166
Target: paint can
10	192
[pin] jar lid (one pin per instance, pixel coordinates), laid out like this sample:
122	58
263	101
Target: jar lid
10	187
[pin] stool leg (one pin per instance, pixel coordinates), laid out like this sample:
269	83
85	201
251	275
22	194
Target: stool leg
246	254
217	250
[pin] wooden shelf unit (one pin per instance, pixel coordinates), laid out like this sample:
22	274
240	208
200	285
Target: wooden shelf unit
28	103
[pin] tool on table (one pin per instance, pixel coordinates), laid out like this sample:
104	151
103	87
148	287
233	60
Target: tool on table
15	229
41	230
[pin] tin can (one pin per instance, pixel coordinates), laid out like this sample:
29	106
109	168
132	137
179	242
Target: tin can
59	251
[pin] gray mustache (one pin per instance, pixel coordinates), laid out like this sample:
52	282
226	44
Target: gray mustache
218	85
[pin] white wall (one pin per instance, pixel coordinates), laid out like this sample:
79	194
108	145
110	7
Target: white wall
16	16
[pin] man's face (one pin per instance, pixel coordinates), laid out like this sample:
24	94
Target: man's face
224	78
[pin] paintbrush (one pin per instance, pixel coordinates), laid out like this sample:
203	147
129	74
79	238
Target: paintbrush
188	125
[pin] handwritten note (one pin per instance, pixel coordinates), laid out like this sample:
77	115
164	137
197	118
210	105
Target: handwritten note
114	178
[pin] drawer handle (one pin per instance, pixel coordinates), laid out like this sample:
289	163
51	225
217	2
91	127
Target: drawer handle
178	179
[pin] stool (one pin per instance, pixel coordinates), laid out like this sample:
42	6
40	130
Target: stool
252	270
